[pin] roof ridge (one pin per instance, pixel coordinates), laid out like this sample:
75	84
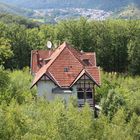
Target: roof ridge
70	48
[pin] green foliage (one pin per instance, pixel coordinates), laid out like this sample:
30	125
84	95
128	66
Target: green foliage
116	42
134	127
43	120
112	43
134	51
112	103
5	50
117	47
78	33
15	85
4	79
24	117
10	19
17	90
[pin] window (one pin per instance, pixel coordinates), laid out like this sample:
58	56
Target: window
66	69
89	93
86	62
80	93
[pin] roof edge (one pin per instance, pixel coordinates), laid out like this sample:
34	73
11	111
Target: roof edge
92	78
88	74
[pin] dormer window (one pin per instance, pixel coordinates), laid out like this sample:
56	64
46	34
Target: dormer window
66	69
86	62
46	60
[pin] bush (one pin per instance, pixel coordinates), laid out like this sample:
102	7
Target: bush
23	117
16	85
43	120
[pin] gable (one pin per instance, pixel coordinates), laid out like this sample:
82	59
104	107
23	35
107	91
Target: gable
66	60
88	76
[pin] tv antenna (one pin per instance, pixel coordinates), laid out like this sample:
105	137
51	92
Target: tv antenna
49	44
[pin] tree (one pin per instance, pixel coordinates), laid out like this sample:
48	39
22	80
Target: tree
112	42
5	50
76	32
112	103
4	84
4	79
21	49
134	56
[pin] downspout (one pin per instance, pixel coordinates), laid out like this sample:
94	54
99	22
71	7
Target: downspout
93	96
84	91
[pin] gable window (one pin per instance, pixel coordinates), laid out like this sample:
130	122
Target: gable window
66	69
80	93
89	93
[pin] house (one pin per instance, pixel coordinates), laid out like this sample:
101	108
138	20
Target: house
65	72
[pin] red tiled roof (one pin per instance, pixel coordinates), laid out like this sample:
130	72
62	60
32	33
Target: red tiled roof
43	69
36	59
65	60
64	57
94	72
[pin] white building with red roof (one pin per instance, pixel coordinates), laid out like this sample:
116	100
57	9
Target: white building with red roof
65	72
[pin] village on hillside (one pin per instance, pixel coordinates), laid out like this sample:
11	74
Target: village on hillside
55	15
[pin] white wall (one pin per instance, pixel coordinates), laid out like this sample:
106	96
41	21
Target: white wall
44	89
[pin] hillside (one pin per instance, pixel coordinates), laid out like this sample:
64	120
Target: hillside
52	11
10	19
99	4
128	12
8	8
4	8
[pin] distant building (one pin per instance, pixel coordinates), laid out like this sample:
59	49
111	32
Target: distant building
65	72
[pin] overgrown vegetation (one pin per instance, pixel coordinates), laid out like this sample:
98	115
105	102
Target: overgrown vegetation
15	85
24	117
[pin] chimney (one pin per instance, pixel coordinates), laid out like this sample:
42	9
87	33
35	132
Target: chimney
37	57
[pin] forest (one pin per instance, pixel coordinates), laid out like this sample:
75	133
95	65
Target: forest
116	42
24	116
